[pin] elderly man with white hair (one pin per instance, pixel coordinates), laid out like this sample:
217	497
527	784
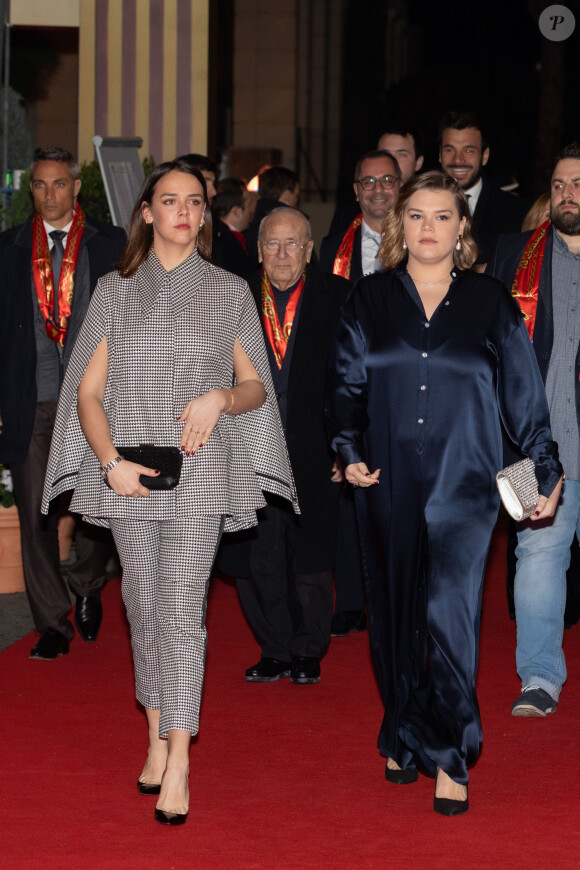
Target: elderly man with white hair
284	567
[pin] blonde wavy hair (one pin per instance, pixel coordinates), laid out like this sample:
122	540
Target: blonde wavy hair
392	252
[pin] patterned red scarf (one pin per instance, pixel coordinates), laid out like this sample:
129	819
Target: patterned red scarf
527	278
43	278
278	335
343	259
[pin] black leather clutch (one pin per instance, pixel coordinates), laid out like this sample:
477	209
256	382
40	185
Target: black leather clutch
167	460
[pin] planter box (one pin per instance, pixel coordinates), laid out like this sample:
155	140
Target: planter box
11	576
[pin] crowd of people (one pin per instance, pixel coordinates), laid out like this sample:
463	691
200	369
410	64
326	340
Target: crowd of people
209	392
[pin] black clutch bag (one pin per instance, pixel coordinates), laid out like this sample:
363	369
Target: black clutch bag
167	460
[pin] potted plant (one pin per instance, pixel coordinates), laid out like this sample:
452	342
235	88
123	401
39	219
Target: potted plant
11	576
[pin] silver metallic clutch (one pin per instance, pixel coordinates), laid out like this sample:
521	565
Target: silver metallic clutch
518	488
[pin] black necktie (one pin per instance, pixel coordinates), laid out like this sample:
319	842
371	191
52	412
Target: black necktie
57	255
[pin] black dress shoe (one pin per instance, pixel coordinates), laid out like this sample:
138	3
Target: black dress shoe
52	643
174	819
88	616
346	621
449	806
305	669
148	787
268	671
401	777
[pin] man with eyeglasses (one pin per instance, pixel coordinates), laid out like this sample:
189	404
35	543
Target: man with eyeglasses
377	179
352	254
284	566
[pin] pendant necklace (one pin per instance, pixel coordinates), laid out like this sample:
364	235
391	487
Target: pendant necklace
430	284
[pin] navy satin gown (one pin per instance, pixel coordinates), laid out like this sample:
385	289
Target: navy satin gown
422	400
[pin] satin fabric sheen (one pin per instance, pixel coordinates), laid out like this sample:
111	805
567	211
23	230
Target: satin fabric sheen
422	401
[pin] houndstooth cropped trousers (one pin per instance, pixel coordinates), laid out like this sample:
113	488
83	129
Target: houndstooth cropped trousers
166	571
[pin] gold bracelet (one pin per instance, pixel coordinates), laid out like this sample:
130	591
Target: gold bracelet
231	392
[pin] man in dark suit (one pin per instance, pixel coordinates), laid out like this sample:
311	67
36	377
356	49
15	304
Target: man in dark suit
49	267
542	268
352	254
287	591
463	152
231	214
404	143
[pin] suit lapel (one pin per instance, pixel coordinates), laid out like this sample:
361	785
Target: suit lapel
311	325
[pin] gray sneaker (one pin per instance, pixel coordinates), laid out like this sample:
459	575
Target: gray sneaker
534	702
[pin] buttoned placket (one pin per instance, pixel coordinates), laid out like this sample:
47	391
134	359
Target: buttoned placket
423	383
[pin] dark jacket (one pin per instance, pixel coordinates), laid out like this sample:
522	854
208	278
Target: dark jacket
503	265
229	253
329	249
105	245
496	213
310	454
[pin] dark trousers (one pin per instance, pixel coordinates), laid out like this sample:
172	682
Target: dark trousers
289	612
348	574
47	591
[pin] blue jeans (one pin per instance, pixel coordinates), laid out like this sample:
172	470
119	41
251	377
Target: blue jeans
543	554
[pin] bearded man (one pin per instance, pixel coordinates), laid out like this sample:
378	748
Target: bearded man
463	153
543	270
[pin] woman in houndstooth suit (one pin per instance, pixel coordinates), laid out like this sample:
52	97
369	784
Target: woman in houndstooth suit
171	354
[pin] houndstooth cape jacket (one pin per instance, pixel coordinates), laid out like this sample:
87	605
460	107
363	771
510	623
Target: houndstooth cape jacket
170	338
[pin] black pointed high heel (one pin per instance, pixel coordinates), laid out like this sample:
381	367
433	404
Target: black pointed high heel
449	806
401	777
148	787
174	819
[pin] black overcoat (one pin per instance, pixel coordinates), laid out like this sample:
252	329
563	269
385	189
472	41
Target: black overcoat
105	245
310	454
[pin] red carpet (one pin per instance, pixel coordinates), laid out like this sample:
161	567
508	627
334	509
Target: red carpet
282	776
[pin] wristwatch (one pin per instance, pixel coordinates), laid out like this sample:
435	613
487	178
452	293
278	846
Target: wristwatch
109	466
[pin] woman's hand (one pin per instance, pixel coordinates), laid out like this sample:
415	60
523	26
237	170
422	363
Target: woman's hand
124	479
547	506
359	475
200	416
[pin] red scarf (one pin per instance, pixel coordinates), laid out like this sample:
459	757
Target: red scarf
277	334
527	278
43	277
343	258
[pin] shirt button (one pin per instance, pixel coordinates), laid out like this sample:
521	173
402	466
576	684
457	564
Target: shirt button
447	303
423	387
420	420
424	355
426	325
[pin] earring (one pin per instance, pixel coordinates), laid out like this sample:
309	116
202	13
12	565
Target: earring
404	245
202	223
458	245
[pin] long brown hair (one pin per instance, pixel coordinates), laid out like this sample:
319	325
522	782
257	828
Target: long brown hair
141	234
392	251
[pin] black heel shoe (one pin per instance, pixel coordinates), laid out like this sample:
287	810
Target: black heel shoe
174	819
401	777
148	787
449	806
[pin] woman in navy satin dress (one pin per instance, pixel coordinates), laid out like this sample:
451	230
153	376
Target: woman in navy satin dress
431	359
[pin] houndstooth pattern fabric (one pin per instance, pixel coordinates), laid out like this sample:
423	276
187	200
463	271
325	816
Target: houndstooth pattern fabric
170	338
166	570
